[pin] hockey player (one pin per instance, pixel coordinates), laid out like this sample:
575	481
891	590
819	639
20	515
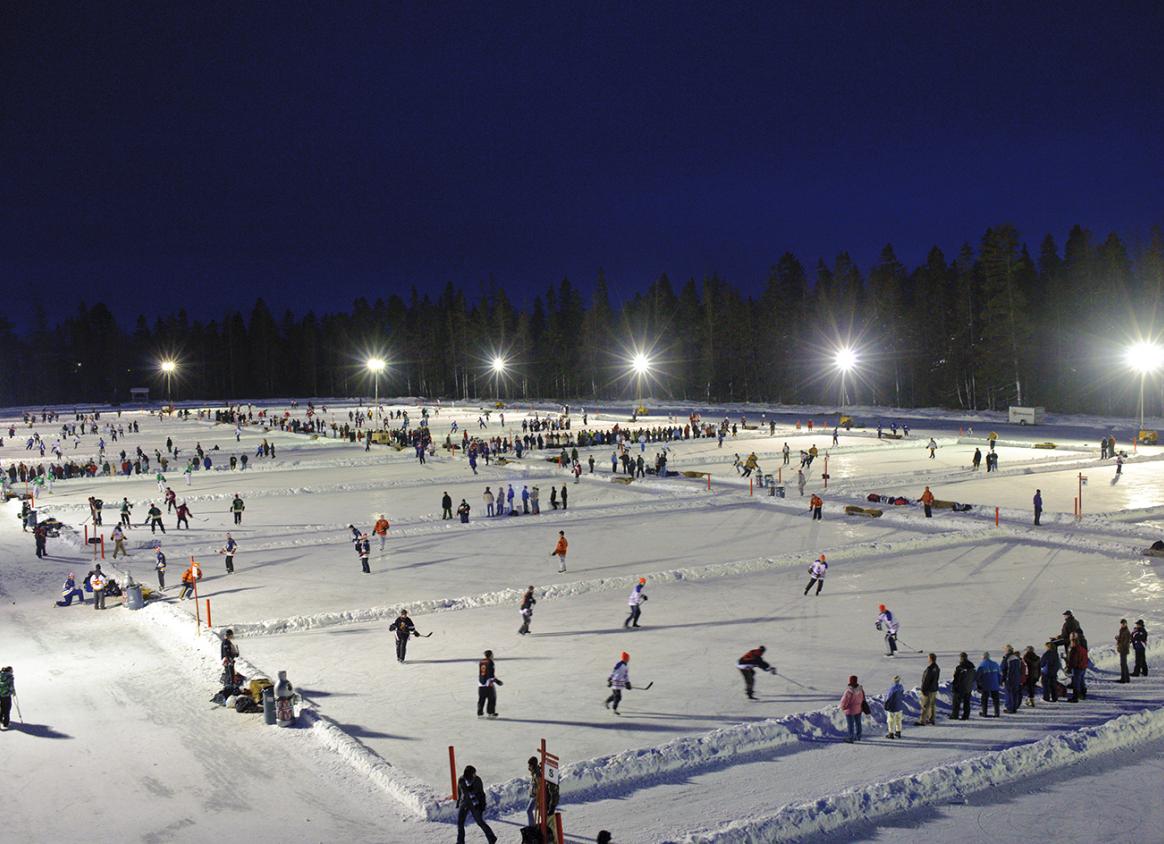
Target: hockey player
887	622
190	576
7	690
635	602
527	604
486	686
403	628
618	680
363	547
69	590
815	504
160	568
155	519
817	570
126	509
560	551
748	663
932	446
170	499
184	515
237	506
228	550
381	530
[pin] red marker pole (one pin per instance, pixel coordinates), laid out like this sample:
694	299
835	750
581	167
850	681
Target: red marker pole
453	770
996	517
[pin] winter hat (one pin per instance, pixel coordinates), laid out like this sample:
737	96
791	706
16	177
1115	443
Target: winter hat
642	580
881	607
1066	612
624	656
852	679
1139	622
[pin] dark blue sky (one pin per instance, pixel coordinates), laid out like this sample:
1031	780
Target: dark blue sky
159	155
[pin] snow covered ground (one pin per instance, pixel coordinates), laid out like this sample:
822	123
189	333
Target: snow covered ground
116	703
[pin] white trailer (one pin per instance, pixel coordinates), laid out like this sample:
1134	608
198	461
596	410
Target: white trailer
1027	415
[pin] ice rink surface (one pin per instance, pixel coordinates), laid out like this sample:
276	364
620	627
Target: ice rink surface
726	569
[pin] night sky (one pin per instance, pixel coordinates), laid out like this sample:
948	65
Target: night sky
198	155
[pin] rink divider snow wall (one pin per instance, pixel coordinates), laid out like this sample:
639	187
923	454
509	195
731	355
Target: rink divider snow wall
943	783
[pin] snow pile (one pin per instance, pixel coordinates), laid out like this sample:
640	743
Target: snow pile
940	784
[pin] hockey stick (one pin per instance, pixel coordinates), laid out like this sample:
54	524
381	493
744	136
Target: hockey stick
911	647
19	714
425	635
795	682
644	688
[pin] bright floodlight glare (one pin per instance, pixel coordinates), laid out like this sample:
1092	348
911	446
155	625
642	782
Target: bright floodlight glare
845	359
168	366
641	363
376	364
1145	357
498	364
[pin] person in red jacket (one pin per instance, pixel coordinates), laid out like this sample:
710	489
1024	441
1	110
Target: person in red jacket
748	664
1077	663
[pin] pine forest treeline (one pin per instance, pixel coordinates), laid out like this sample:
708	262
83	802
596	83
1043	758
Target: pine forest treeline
993	325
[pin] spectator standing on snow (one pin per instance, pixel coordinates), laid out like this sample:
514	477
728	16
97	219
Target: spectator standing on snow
962	688
1030	673
1123	642
1049	668
552	792
487	497
229	653
927	500
160	568
97	581
635	602
893	706
446	506
1012	678
987	677
565	495
817	572
1077	665
929	691
976	461
1140	645
853	705
526	609
463	511
471	800
815	504
748	664
1038	503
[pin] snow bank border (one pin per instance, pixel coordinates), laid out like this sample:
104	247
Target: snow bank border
940	784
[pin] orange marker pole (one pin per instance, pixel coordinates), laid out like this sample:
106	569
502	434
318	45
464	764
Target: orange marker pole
996	517
453	770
